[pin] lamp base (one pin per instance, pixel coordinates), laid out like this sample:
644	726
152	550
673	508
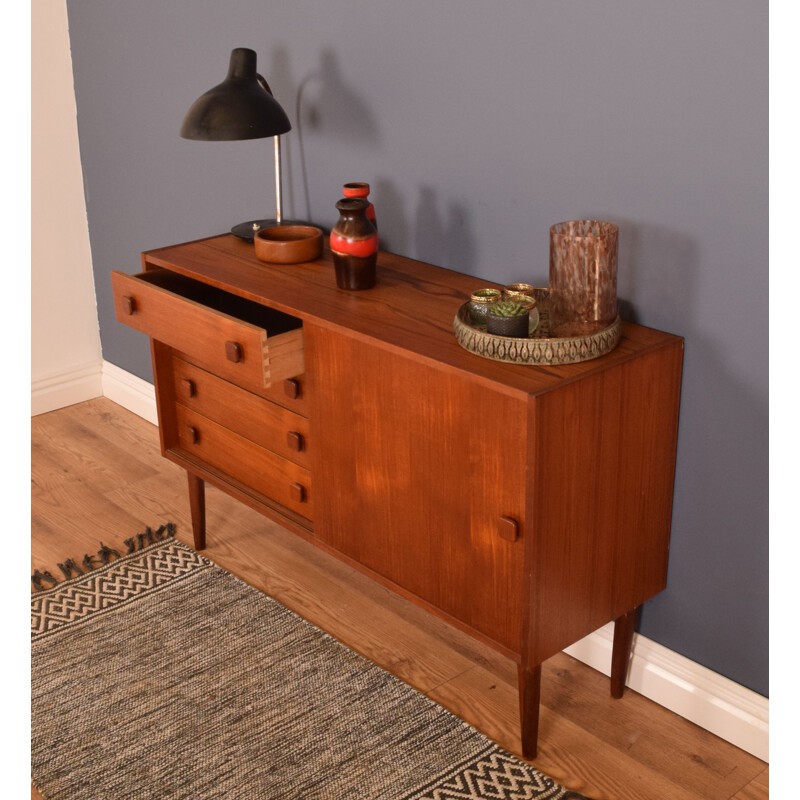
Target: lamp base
247	230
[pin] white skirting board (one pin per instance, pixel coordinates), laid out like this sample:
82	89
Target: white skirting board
715	703
130	392
95	379
66	387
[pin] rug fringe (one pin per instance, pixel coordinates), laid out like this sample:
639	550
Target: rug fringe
105	555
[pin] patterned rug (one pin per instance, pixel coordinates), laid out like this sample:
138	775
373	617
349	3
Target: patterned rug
159	675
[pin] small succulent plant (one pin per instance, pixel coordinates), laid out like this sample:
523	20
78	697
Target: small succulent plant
508	308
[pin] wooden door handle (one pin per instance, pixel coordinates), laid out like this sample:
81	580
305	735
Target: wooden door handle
190	387
298	492
295	441
233	351
194	435
129	304
291	388
508	528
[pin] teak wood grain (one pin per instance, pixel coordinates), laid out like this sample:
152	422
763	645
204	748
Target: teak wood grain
603	472
414	471
265	423
525	505
98	475
244	460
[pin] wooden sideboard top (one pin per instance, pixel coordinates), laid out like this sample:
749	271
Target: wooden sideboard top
411	307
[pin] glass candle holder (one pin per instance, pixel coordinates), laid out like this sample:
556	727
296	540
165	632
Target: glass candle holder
514	290
583	277
479	303
523	300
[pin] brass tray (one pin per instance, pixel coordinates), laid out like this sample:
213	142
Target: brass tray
539	347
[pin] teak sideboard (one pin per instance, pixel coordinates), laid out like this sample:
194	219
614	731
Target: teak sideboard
525	505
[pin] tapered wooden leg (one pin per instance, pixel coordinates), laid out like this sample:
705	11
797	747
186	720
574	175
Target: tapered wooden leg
530	689
197	504
621	652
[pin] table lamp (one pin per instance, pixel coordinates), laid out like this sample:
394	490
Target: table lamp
241	107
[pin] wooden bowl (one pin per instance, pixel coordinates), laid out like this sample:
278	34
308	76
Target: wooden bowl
288	244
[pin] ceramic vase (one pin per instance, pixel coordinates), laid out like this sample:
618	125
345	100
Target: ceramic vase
354	245
359	189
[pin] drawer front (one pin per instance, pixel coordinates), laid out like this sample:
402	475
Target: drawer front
255	466
238	350
291	393
247	414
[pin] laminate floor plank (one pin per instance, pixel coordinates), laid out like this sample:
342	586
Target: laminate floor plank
757	789
98	475
70	521
94	455
646	731
157	500
120	426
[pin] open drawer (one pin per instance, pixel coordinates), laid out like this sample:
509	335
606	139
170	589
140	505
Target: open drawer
242	341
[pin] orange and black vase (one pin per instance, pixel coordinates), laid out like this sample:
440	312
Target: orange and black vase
359	189
354	245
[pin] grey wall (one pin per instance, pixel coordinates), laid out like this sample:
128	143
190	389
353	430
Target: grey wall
479	124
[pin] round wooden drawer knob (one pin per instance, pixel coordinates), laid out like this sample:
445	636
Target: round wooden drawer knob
298	492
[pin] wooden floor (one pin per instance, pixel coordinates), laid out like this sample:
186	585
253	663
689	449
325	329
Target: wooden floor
97	475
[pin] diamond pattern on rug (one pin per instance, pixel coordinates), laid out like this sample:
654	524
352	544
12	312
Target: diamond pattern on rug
110	586
494	775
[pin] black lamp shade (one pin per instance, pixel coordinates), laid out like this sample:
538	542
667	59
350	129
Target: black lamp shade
241	107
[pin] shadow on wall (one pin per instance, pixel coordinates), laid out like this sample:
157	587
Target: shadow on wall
324	100
393	226
656	270
443	233
439	234
324	103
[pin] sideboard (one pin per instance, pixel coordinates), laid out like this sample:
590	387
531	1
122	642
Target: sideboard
525	505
